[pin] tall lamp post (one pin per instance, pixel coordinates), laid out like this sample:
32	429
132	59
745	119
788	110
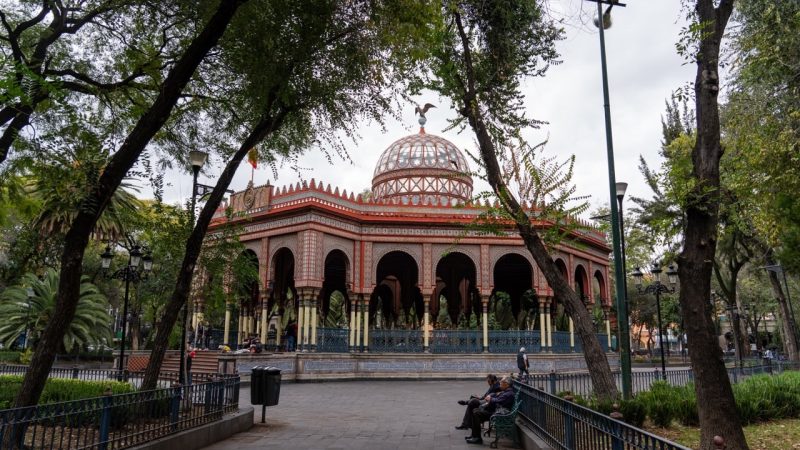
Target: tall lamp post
129	273
197	158
657	288
603	21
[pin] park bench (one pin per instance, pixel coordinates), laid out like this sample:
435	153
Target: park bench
503	423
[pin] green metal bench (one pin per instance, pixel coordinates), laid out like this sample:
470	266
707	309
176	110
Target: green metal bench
503	423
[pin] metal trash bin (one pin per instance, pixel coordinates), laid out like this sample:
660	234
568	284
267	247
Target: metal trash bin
258	388
273	386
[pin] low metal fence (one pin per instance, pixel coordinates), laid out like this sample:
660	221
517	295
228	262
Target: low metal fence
456	341
565	425
118	421
165	378
336	340
580	383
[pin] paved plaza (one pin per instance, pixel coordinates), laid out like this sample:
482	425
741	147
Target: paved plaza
362	415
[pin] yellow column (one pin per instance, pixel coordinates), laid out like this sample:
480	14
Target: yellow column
353	324
279	331
366	325
571	335
608	333
358	324
542	326
485	323
227	324
314	325
426	326
549	327
307	325
264	325
239	328
300	324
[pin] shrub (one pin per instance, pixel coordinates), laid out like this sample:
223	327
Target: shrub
60	390
9	357
660	403
765	397
634	411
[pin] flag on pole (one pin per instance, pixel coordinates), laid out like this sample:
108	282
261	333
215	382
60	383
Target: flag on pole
252	157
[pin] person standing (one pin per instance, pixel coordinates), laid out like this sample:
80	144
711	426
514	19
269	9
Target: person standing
522	363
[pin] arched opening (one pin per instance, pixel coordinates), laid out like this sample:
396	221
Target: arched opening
599	288
396	300
335	281
560	320
283	297
582	283
455	285
513	301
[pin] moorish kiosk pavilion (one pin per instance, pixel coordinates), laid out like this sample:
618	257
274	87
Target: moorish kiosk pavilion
406	277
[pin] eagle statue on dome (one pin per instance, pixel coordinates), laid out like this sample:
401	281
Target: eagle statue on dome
422	110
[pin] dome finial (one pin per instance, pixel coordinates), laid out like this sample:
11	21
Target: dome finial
422	119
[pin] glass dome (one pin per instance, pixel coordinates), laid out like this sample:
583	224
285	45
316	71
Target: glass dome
422	169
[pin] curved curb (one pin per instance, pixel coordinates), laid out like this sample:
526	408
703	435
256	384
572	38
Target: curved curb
204	435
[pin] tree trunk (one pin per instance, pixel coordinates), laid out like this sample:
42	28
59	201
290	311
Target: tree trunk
787	324
92	207
194	244
716	405
596	360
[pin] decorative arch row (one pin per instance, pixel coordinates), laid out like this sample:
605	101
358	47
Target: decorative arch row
396	298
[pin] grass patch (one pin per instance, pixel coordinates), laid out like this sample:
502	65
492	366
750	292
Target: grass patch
774	435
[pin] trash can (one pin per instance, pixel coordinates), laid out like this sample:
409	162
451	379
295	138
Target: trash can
258	380
273	386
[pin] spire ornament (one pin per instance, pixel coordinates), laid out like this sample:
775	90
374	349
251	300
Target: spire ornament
421	110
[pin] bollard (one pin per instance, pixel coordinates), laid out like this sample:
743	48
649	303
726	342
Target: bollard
719	443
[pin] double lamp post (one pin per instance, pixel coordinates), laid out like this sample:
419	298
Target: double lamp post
657	288
131	272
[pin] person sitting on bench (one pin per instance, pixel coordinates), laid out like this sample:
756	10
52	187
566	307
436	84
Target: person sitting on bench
504	398
475	401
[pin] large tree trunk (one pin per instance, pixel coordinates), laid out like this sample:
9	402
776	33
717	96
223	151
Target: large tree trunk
92	207
716	405
787	324
194	244
596	360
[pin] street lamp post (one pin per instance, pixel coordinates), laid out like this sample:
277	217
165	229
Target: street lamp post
603	21
130	273
657	288
197	158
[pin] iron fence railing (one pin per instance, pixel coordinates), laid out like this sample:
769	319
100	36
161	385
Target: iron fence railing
165	378
510	341
456	341
580	383
395	341
333	340
118	421
565	425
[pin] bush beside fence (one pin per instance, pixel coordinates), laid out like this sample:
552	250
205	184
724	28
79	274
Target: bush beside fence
117	421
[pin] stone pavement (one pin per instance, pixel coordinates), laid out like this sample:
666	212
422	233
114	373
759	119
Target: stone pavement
379	415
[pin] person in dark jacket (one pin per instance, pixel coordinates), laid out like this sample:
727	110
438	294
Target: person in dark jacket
522	362
475	401
503	398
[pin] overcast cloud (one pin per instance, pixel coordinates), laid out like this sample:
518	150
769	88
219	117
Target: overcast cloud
643	68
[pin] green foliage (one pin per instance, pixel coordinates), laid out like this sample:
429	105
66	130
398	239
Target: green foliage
9	356
634	411
60	389
20	312
660	400
764	397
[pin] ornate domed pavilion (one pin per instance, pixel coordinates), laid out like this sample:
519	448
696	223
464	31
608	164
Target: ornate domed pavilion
402	263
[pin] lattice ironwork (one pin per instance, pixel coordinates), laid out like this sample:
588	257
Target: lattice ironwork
395	341
333	340
456	341
510	341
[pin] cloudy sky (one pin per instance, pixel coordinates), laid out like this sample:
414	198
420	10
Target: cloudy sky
643	69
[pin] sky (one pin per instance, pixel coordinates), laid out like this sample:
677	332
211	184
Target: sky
643	70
